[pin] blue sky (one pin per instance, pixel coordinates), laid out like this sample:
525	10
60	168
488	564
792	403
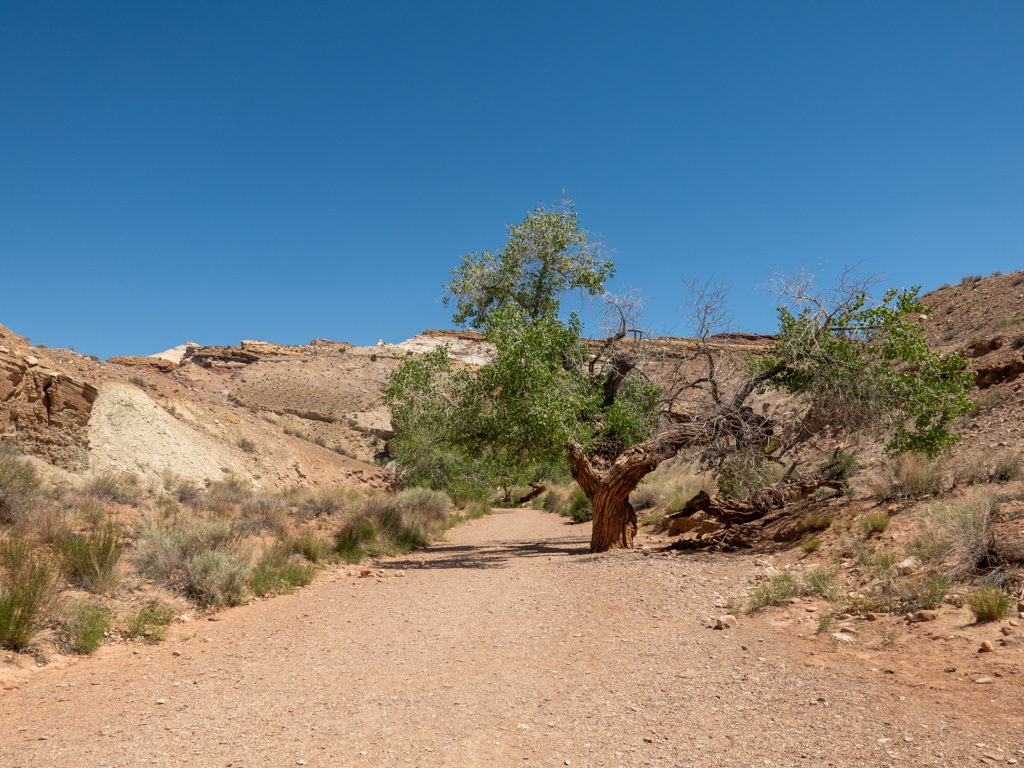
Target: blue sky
285	171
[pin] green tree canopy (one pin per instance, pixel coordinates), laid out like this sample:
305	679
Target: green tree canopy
545	256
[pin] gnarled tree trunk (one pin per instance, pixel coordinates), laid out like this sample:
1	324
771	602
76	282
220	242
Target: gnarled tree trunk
614	519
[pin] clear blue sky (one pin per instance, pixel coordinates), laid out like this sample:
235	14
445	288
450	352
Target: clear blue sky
221	171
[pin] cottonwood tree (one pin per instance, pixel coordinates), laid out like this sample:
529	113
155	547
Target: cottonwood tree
859	365
509	422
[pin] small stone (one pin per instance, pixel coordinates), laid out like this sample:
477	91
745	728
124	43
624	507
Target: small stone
811	608
848	629
949	669
1007	631
688	674
365	573
844	616
813	661
874	616
399	573
726	622
175	653
909	565
986	647
984	681
1012	641
922	616
843	637
161	701
1014	623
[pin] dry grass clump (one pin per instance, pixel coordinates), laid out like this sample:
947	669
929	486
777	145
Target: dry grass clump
264	511
988	603
909	475
955	536
116	488
222	497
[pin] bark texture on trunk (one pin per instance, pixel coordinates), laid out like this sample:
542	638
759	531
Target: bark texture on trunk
608	491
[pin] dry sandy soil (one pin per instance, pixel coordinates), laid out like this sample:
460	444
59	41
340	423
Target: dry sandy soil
510	644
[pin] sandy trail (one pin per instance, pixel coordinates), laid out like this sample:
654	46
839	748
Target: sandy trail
509	645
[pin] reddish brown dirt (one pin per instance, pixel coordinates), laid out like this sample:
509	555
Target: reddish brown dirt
510	644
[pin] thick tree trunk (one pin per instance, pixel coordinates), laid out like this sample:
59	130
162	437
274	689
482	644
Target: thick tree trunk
614	519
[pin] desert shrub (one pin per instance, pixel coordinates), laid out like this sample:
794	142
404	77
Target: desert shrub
222	496
373	358
579	509
264	511
84	625
246	445
351	539
1006	467
313	548
165	550
988	603
655	520
777	590
426	503
744	473
138	381
216	577
90	560
149	622
27	591
647	496
955	536
816	521
187	492
89	505
875	522
838	467
325	501
19	486
909	475
970	279
279	571
927	593
810	545
116	488
552	501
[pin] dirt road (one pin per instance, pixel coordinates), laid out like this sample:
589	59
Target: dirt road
510	644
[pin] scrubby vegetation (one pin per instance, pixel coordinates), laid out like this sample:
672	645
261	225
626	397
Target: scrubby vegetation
217	545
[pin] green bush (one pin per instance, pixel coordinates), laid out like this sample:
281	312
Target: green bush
351	539
27	591
19	486
278	572
579	509
217	578
810	545
246	445
876	522
988	603
222	496
778	590
552	501
138	381
149	622
816	521
91	560
84	626
839	467
313	548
